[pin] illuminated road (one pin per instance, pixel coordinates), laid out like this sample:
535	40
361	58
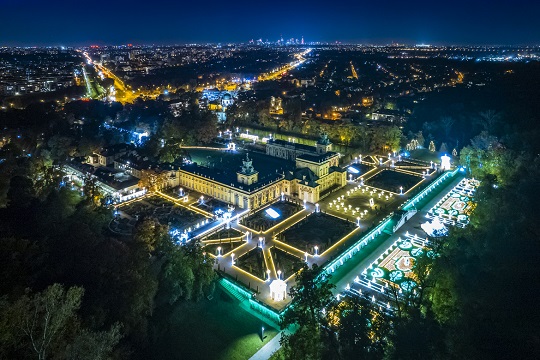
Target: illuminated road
353	71
93	90
278	73
122	92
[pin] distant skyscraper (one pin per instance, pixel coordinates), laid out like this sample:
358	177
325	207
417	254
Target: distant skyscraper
302	42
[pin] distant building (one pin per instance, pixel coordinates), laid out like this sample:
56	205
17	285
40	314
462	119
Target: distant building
392	116
367	101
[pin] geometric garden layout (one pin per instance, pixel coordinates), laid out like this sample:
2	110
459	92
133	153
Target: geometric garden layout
394	268
254	249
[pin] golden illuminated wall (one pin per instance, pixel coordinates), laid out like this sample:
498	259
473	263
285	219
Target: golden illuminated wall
233	195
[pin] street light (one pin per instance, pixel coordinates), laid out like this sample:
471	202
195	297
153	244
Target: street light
316	250
268	274
232	259
279	274
219	250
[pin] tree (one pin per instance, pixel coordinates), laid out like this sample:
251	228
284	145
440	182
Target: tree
420	138
446	123
151	233
44	318
361	328
311	294
488	120
89	345
152	180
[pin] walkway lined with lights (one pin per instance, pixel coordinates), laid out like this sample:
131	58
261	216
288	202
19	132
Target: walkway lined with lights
412	226
266	240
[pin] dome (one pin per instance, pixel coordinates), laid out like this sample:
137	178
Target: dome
226	97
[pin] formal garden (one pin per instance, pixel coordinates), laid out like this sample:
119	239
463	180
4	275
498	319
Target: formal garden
457	204
165	211
286	262
412	166
225	234
395	268
253	262
269	216
359	169
394	181
210	205
222	247
316	232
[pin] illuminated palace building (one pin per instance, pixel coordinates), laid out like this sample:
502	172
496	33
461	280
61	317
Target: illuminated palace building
303	172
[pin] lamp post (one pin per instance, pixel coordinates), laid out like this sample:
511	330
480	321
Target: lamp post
358	221
268	274
317	207
262	333
232	259
306	255
219	251
279	274
401	190
261	239
316	250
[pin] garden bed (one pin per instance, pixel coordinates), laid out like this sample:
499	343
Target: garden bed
271	215
288	263
253	263
391	180
226	246
317	229
225	234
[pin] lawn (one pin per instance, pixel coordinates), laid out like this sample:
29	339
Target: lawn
318	229
211	329
253	262
391	180
286	262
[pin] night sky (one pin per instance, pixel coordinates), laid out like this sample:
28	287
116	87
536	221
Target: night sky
86	22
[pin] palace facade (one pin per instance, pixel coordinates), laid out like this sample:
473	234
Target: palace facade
316	172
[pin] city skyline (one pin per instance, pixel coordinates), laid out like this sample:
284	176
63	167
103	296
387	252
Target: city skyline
31	23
